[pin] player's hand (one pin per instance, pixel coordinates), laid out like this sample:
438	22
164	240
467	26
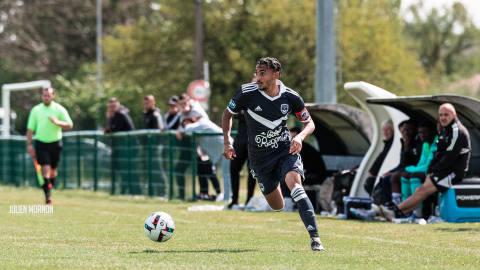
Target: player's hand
53	119
295	146
30	150
228	152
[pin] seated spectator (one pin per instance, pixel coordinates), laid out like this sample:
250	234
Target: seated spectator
414	176
210	145
448	167
387	132
409	155
386	179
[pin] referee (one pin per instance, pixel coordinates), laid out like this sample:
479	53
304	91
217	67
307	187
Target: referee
46	121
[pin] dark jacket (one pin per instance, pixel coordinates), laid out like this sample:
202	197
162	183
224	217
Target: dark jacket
453	149
381	157
121	121
152	119
172	121
412	156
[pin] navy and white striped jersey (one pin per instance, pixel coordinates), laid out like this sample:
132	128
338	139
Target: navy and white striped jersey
266	117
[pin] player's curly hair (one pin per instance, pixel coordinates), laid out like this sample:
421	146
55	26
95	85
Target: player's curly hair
272	63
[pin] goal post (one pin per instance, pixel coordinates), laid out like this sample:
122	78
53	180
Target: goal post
7	88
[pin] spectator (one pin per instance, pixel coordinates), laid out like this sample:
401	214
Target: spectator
188	108
414	176
386	179
240	144
387	132
207	170
211	145
153	117
119	121
153	120
448	167
172	117
409	155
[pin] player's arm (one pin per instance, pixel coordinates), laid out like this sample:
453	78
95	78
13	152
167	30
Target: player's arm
308	126
296	144
228	151
235	105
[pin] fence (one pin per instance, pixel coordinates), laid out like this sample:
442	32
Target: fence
144	162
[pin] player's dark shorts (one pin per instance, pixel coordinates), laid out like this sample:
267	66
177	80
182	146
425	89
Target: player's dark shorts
443	180
270	176
48	153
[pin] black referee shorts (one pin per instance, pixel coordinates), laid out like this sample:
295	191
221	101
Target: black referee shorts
48	153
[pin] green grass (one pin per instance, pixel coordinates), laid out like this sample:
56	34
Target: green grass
94	230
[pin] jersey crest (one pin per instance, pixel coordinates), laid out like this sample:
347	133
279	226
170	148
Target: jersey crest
284	108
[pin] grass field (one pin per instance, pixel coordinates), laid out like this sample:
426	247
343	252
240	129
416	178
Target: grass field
94	230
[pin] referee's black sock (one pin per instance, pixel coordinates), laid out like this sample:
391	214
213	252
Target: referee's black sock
46	187
305	209
52	182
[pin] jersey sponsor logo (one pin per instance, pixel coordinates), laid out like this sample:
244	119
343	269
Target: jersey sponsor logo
303	115
231	104
271	138
258	109
284	108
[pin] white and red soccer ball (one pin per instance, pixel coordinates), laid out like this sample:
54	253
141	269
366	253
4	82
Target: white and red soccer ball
159	227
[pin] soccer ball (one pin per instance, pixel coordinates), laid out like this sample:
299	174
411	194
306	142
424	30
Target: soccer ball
159	227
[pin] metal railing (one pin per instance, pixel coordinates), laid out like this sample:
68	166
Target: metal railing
144	162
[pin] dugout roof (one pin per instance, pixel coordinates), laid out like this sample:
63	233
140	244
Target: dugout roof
341	129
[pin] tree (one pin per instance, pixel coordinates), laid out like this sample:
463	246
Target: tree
441	38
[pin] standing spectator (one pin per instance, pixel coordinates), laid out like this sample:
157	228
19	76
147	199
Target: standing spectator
188	108
211	146
153	120
153	117
119	118
46	121
119	121
172	117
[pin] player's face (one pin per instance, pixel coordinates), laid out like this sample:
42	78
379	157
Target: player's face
265	77
47	97
410	131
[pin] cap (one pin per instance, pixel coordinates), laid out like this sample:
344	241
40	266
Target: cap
173	100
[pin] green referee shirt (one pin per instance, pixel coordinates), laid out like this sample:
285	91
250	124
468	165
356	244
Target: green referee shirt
46	131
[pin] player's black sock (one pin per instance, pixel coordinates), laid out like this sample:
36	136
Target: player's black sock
305	209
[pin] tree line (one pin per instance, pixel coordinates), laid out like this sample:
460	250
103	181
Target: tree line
152	50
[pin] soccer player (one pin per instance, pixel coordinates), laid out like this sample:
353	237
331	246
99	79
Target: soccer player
47	120
272	152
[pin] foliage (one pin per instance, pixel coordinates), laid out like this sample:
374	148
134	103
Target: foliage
155	56
446	39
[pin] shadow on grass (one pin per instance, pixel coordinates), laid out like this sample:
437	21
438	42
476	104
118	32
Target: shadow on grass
196	251
457	229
